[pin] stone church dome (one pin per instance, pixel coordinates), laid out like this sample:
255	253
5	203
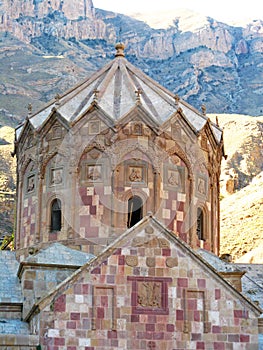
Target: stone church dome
95	160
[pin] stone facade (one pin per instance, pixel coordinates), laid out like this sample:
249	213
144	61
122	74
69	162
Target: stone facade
117	215
114	139
148	290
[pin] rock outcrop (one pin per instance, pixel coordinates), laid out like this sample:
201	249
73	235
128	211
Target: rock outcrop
198	58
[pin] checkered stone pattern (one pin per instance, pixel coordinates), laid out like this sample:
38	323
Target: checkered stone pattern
28	222
92	211
147	296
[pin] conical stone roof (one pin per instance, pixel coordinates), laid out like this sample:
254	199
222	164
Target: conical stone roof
116	89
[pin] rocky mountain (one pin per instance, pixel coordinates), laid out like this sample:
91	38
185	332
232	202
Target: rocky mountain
46	46
7	181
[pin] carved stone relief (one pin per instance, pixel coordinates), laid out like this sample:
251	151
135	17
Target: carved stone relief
150	294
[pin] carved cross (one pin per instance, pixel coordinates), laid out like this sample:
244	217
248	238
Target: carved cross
138	94
95	97
177	99
57	98
151	345
29	107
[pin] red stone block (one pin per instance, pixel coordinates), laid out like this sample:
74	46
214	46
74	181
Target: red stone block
59	341
182	282
135	318
71	325
104	301
192	304
197	316
219	346
121	260
52	347
89	348
60	304
112	335
75	316
244	338
200	345
85	289
117	251
150	327
100	312
201	283
97	270
216	329
240	314
166	252
93	209
71	348
217	294
195	336
170	327
179	315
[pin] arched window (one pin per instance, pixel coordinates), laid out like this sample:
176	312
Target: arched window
134	210
55	224
200	224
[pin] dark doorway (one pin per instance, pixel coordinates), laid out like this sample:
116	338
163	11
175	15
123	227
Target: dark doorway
134	210
55	215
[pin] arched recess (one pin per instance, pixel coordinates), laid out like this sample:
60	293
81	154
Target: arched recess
202	223
55	215
135	210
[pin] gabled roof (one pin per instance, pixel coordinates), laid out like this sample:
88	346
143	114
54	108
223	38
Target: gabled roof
125	241
117	88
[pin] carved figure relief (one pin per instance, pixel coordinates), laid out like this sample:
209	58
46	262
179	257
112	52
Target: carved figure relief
94	172
173	178
30	183
56	176
201	186
149	294
135	174
94	127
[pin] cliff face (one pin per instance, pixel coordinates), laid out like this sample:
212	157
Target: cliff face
72	9
45	46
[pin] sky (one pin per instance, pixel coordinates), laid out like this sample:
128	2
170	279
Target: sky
221	10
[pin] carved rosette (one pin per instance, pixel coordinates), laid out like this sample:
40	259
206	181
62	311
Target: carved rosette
131	260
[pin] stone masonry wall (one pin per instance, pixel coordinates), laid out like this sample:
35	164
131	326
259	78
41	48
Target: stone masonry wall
150	294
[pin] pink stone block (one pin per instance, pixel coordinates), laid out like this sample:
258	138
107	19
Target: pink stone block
201	283
75	316
150	327
170	327
217	294
71	325
60	304
182	282
179	315
59	341
219	346
216	329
